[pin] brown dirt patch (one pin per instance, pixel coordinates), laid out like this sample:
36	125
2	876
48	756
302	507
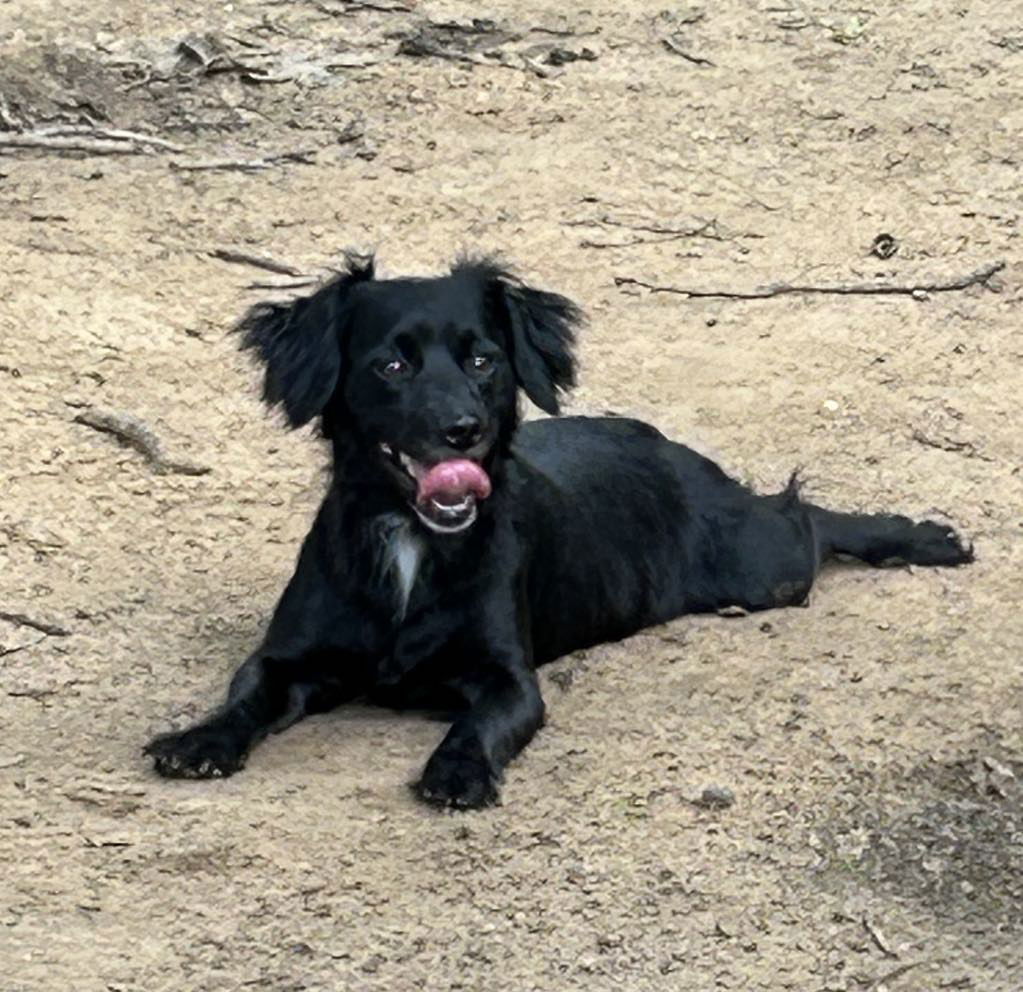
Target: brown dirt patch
763	144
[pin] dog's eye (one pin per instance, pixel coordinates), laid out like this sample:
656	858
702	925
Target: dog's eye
480	363
395	367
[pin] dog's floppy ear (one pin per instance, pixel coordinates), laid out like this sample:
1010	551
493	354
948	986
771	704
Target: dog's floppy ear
299	343
541	332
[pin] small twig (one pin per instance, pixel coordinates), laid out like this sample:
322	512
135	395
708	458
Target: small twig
132	433
395	8
878	938
980	277
352	131
673	46
586	243
967	448
4	652
36	695
419	47
299	283
244	165
894	973
259	261
347	6
562	32
21	620
708	230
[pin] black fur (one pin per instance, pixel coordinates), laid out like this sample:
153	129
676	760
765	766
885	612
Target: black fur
595	528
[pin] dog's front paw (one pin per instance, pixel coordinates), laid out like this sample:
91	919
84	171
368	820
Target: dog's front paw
459	778
201	752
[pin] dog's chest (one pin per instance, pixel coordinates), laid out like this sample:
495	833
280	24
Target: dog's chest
423	625
402	560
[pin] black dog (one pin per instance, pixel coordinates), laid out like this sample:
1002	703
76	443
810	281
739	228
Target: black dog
455	551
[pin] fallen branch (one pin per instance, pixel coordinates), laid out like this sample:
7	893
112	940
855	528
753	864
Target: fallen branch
978	278
244	165
58	144
72	130
259	261
133	433
80	138
21	620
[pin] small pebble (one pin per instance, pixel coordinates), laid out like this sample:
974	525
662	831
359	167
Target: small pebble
716	797
830	408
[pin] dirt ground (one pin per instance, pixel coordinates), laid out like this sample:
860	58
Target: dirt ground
872	742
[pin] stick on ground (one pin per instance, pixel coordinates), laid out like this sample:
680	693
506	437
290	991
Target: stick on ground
673	46
243	164
92	140
978	278
299	282
21	620
258	261
890	976
878	938
133	433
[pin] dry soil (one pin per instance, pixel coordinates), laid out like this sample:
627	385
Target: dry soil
872	742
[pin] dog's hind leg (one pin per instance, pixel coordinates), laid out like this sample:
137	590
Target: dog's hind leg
884	539
776	544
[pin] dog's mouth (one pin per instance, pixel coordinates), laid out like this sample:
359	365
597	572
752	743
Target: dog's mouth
446	492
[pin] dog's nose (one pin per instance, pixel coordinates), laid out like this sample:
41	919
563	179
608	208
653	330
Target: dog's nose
463	433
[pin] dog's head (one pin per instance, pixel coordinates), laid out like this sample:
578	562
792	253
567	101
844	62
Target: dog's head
418	378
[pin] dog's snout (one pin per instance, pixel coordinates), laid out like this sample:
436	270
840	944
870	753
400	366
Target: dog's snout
464	433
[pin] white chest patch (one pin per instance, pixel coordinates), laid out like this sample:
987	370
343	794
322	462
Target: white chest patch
403	554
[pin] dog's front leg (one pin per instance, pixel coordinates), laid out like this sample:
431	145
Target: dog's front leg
505	713
319	652
267	694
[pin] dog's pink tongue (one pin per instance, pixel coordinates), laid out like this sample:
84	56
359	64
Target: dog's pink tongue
452	481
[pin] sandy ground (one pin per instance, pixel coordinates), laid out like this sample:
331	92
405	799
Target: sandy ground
872	742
